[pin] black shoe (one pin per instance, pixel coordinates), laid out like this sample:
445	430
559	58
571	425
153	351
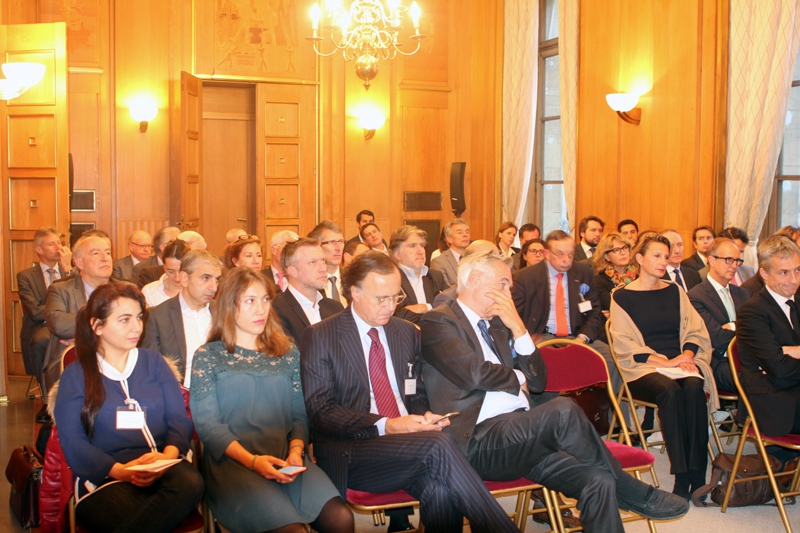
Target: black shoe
396	524
43	417
656	505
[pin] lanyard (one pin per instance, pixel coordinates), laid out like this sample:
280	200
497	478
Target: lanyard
148	437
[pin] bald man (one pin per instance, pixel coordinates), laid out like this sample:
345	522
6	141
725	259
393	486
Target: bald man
140	245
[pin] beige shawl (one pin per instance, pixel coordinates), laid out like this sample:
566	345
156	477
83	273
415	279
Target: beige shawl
628	341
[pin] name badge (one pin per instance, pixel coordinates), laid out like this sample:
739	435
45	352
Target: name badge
585	306
411	387
128	419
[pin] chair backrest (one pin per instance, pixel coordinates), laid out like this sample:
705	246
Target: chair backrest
68	356
733	355
736	367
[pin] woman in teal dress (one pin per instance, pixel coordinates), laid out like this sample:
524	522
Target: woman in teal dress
248	409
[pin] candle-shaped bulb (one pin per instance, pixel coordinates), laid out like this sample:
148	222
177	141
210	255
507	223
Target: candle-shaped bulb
315	16
415	13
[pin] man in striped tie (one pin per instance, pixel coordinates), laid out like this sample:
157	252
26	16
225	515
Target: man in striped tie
373	430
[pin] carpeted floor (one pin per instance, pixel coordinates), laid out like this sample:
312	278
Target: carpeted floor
16	429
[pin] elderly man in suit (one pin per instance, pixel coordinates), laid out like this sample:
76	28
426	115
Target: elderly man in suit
33	282
177	327
744	273
590	230
372	428
701	237
419	283
140	245
163	237
275	270
686	278
717	300
456	234
303	303
479	360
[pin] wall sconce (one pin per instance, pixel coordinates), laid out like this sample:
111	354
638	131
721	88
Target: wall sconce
143	110
19	77
625	106
371	119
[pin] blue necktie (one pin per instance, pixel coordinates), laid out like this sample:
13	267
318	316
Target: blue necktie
678	279
487	338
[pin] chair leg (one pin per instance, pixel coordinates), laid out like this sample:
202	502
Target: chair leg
735	469
715	433
523	516
33	386
774	484
557	525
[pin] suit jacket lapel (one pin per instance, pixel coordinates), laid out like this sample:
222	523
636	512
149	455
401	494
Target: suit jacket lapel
405	284
297	309
41	285
738	297
176	317
500	336
452	259
350	346
573	290
776	308
468	328
715	297
430	290
80	292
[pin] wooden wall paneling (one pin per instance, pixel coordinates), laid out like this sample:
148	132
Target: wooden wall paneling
186	188
85	140
125	227
430	67
84	21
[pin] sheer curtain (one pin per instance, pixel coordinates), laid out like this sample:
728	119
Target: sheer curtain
763	46
520	83
568	12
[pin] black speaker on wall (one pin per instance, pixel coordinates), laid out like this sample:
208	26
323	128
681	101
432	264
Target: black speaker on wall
457	200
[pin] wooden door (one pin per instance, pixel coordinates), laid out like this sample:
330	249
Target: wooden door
286	157
186	189
34	150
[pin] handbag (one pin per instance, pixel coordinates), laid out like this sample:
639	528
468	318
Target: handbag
595	403
24	472
754	492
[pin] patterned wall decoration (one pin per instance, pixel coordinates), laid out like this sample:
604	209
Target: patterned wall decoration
82	31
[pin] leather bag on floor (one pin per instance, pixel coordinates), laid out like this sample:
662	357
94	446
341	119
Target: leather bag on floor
743	494
24	472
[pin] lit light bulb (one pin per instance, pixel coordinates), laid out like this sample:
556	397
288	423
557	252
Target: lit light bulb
315	16
415	13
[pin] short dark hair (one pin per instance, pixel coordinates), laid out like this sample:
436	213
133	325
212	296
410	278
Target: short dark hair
627	222
529	227
584	223
352	246
365	226
555	235
364	212
291	247
175	250
699	228
362	265
320	228
733	233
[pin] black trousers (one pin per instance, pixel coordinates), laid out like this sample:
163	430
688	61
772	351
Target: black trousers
555	444
684	418
430	467
722	372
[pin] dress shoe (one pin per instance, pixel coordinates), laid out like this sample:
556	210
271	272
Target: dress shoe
656	505
399	525
42	417
569	520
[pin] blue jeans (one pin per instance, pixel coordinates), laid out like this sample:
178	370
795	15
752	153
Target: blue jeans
160	507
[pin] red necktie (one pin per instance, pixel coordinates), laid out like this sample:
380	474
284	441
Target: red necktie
281	278
381	388
562	325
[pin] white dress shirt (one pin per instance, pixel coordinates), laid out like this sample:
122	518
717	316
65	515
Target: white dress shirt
196	325
672	275
416	283
154	293
587	249
311	309
366	344
495	402
781	300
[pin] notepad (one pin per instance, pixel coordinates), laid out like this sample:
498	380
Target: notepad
155	466
678	373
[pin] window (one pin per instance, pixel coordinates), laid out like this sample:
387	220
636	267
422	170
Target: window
551	205
787	198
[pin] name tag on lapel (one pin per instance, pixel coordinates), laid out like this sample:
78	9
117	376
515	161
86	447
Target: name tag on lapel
411	387
585	306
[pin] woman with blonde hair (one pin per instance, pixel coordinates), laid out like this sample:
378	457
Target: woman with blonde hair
247	405
612	265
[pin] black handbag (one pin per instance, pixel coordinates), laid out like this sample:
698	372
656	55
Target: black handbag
24	472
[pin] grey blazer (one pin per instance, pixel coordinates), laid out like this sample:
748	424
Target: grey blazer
123	268
446	264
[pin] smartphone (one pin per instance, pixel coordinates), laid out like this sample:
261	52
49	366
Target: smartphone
446	417
291	470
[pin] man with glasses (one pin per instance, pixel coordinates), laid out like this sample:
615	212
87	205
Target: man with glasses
372	428
140	245
330	236
717	301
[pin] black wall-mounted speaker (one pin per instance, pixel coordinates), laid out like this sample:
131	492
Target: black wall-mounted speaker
457	199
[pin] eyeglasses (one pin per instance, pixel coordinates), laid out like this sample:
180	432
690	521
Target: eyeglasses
535	251
729	260
337	241
386	301
248	238
625	248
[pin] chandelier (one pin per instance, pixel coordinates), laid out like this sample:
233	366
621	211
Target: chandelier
364	32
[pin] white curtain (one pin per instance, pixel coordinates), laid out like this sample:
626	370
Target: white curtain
568	12
520	84
763	46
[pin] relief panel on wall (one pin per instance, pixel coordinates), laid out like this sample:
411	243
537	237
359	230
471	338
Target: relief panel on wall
44	92
282	201
23	256
282	160
32	203
31	141
81	17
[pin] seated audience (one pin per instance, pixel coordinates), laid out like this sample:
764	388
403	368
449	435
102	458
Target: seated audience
244	252
249	363
140	245
304	303
701	237
629	229
475	247
740	238
685	278
110	378
591	231
364	217
672	337
441	244
527	232
531	253
352	250
504	239
612	264
233	235
180	325
275	270
169	284
372	428
149	271
419	284
330	236
371	236
479	360
717	301
456	235
193	239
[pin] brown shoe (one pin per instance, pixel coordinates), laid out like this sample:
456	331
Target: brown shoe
570	521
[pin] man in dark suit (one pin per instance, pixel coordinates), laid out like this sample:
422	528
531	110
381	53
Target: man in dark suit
686	278
739	236
32	284
456	234
163	237
479	360
364	217
768	332
303	303
590	230
419	283
475	247
140	244
275	270
369	413
717	301
701	237
177	327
